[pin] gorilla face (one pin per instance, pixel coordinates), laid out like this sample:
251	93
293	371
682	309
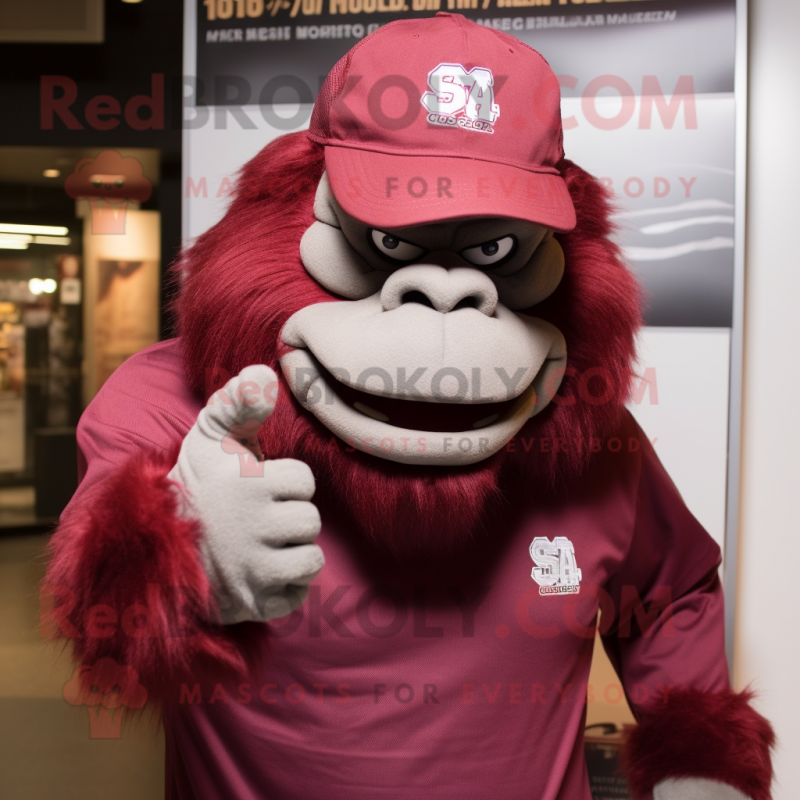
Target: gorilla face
427	360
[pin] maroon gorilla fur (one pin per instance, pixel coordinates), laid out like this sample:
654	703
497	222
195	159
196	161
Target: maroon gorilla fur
244	278
701	735
126	549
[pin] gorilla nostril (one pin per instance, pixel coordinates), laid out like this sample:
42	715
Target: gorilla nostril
467	302
440	289
416	296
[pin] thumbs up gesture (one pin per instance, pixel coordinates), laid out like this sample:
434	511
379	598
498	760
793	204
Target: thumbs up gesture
257	520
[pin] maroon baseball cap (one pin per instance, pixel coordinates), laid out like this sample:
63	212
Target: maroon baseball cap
437	118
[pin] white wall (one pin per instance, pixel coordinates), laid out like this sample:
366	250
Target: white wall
768	639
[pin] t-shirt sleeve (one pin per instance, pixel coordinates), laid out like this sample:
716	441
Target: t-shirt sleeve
667	629
144	407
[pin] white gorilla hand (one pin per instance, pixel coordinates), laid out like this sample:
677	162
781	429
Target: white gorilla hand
695	789
257	521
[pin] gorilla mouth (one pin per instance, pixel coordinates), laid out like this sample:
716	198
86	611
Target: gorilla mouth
420	415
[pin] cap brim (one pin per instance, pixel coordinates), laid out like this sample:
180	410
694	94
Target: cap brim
394	191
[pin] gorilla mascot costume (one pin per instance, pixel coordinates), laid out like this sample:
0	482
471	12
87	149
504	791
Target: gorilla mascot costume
355	529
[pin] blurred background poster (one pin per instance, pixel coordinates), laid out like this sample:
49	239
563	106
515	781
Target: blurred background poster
124	318
123	278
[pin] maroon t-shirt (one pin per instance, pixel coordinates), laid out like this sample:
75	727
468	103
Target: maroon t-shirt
467	684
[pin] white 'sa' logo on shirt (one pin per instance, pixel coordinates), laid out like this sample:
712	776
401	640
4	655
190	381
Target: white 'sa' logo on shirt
461	99
556	570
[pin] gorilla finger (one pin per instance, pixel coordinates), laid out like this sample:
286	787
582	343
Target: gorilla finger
251	395
291	522
289	479
298	565
272	604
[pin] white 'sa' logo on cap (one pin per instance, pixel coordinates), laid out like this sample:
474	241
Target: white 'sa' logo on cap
461	99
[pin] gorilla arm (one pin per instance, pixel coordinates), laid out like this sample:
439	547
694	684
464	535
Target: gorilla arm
696	739
131	559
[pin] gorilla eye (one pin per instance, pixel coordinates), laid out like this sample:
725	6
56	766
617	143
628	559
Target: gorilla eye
119	183
388	245
490	254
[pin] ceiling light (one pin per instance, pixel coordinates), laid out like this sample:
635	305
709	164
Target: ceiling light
16	237
51	173
49	285
36	285
10	244
52	230
52	240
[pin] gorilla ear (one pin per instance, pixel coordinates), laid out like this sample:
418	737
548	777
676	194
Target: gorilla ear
323	210
330	258
536	281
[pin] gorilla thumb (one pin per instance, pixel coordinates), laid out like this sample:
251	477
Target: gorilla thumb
250	396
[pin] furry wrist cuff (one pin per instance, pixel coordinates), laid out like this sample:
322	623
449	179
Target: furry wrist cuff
693	734
125	582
